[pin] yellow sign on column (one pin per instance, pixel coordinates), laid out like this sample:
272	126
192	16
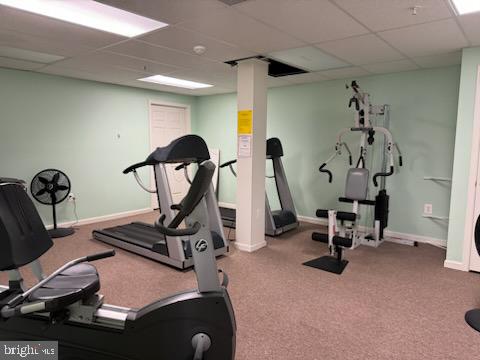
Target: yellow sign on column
245	122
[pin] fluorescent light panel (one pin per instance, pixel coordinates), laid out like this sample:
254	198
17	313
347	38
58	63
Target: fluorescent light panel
89	13
466	6
28	55
170	81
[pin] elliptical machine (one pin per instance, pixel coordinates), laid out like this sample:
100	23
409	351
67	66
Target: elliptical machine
472	317
65	307
343	228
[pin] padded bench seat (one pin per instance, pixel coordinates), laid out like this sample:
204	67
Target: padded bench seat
74	284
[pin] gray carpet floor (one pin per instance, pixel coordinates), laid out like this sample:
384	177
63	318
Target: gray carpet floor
394	302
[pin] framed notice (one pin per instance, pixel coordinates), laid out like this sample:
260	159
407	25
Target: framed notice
244	146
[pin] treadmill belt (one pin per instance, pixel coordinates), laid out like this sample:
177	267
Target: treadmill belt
228	214
283	218
140	235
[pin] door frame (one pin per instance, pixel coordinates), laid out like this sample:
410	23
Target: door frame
159	102
472	180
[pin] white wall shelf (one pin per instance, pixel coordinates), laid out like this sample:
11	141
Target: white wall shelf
435	178
435	217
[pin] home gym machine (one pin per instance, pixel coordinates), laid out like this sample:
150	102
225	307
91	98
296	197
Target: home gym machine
277	221
65	306
343	228
144	239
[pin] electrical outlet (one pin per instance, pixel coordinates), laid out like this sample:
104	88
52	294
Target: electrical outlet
427	209
71	197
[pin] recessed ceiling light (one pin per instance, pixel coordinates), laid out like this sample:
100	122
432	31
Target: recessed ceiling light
466	6
91	14
28	55
170	81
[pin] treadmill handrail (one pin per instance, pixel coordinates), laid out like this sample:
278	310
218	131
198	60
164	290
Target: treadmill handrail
141	184
136	166
168	231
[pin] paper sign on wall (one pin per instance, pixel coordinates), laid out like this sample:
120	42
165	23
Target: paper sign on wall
245	122
244	146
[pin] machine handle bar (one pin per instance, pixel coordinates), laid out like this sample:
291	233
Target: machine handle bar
228	163
326	171
382	174
192	230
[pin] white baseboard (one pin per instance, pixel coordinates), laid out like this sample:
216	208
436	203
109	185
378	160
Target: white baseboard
312	220
250	248
227	205
456	265
418	238
103	218
395	236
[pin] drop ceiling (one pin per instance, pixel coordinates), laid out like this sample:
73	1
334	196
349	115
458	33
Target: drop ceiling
335	39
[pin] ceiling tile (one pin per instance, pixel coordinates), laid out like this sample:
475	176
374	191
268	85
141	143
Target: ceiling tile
277	82
380	15
350	72
28	55
427	39
471	25
169	11
103	59
240	30
310	21
54	30
63	48
306	78
19	64
391	67
163	55
361	50
308	58
102	73
217	79
184	40
439	60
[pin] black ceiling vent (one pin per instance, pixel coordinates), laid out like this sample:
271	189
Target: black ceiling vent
275	68
232	2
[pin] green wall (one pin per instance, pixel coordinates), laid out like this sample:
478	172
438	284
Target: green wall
307	117
55	122
463	144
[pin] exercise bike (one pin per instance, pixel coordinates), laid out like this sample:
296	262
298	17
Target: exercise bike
65	307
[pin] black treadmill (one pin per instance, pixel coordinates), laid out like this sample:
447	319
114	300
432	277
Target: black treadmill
277	221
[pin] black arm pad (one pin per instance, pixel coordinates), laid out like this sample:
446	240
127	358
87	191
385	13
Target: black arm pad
321	213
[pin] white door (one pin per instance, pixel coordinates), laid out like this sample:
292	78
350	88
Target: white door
166	124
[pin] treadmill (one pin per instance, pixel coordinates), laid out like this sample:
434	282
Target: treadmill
278	221
144	239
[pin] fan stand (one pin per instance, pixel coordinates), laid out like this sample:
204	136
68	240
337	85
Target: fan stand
57	232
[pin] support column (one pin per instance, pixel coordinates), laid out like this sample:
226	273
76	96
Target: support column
251	149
